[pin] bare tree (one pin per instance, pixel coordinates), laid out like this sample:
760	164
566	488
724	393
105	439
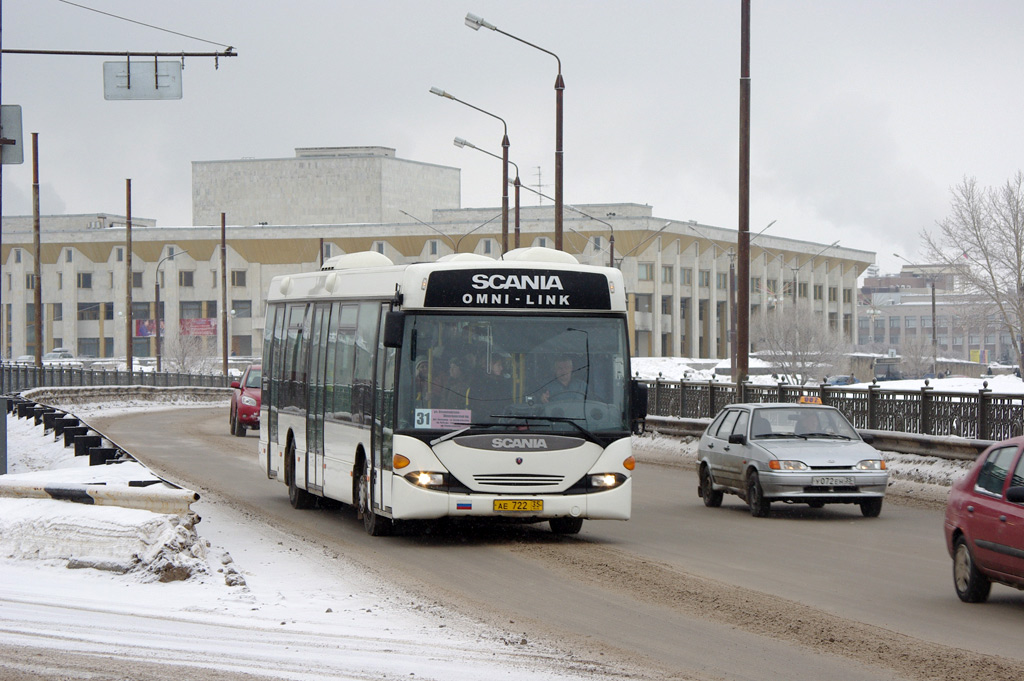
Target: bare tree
983	239
800	343
187	352
916	355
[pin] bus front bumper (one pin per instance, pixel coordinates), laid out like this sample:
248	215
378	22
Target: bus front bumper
411	502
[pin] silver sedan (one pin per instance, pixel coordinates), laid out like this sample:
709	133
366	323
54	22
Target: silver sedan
796	453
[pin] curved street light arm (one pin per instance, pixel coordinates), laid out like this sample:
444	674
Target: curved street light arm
454	246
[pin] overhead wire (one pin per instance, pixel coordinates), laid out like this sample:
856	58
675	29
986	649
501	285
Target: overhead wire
141	23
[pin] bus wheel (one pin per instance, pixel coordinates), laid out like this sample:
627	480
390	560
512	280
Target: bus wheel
298	498
374	524
566	525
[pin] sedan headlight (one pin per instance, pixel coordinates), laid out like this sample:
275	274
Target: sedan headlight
787	465
870	465
248	401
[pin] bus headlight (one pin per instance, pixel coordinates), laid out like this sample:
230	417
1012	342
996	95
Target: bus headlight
870	465
426	479
599	481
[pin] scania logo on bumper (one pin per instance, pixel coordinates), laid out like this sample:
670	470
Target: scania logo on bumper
519	461
519	443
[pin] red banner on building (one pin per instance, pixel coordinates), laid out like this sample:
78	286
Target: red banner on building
198	327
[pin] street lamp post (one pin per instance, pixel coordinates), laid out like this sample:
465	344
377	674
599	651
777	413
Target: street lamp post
459	142
811	260
156	296
504	166
476	23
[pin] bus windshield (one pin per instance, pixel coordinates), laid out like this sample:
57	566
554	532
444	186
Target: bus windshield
543	372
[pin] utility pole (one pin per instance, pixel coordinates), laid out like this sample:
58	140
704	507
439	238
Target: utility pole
743	230
128	335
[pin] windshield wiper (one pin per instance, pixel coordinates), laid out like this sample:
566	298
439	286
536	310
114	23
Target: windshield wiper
762	436
460	431
560	419
826	435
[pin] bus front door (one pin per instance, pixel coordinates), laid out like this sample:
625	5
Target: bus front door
383	422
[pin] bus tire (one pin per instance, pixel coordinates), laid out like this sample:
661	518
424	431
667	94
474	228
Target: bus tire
298	498
375	525
566	525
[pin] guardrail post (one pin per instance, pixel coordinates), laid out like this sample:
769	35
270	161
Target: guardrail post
926	409
711	399
984	405
873	405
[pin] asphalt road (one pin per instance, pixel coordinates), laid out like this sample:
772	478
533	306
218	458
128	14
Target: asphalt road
679	591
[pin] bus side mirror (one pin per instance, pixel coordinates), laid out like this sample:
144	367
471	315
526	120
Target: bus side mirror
638	402
394	328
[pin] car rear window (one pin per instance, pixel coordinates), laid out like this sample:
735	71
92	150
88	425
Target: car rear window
993	472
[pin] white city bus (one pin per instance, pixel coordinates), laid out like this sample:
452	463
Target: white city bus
467	387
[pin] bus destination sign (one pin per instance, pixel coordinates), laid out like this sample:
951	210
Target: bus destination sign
518	288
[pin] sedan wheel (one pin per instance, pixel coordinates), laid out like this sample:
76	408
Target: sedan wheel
971	585
872	507
759	506
712	499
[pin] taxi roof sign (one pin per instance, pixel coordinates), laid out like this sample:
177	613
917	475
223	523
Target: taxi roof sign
809	399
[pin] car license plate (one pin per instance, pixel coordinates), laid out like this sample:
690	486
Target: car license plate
519	505
832	481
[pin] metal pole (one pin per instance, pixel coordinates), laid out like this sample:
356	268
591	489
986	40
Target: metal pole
935	344
37	275
504	193
128	335
743	235
156	313
559	89
224	285
518	186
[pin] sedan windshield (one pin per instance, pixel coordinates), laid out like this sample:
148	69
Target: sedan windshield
802	422
512	372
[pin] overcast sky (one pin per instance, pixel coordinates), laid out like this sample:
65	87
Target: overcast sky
863	114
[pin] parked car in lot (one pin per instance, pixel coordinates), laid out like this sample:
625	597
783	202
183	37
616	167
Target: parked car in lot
245	401
985	522
793	453
61	357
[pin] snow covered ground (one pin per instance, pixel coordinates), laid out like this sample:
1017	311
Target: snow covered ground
159	589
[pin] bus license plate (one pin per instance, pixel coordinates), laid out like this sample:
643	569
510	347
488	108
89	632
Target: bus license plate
519	505
832	481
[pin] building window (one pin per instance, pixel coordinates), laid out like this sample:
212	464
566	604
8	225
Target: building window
755	284
111	273
17	255
833	294
704	279
67	255
894	322
910	322
60	281
88	347
238	277
773	286
120	254
666	274
136	279
721	281
242	308
30	281
801	290
84	279
191	309
819	291
108	310
487	246
666	305
643	302
378	246
542	242
108	347
58	315
645	271
686	276
185	278
433	247
847	295
88	312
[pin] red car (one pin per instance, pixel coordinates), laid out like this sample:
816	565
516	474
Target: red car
985	522
245	401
